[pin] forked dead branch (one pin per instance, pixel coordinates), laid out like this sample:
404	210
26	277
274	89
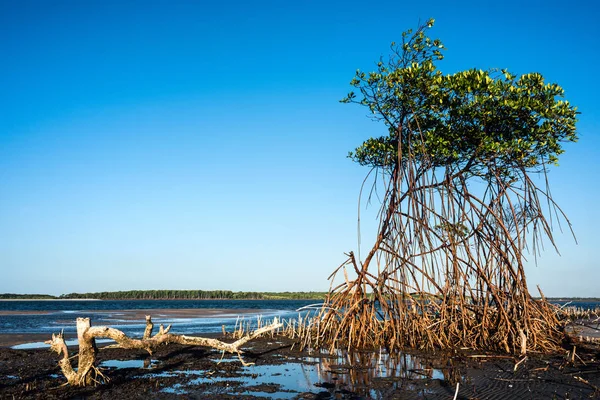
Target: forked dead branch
87	373
462	178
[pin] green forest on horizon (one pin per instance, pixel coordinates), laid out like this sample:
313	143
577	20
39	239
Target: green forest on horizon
201	295
172	295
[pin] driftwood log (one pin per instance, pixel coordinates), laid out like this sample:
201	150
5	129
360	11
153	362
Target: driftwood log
87	374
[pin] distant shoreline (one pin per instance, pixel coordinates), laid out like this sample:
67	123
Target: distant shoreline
46	299
163	294
158	299
261	296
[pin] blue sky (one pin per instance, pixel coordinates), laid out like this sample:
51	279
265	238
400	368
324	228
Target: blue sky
201	145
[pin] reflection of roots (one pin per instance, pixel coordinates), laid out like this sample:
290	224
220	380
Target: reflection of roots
358	370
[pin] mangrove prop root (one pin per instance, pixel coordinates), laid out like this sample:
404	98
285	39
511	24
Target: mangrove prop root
447	268
87	374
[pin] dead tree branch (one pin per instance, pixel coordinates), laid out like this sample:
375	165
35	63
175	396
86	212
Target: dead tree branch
88	374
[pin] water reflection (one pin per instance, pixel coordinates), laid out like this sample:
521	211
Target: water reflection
341	374
358	371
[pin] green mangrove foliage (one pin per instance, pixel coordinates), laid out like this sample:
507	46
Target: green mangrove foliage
460	206
477	121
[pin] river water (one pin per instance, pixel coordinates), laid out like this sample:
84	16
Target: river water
21	317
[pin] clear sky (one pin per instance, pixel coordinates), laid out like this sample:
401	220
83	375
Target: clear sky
201	145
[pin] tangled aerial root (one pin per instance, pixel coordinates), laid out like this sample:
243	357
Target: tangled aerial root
447	268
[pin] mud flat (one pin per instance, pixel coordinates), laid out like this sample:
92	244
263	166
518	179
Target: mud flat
282	371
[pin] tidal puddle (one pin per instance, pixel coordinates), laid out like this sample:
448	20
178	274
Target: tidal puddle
376	365
321	372
42	345
225	360
120	364
284	381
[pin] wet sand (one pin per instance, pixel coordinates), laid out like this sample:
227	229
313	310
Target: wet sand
13	339
24	312
282	371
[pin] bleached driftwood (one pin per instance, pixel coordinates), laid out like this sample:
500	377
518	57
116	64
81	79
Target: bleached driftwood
87	373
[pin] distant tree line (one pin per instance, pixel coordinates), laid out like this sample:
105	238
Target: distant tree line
194	295
26	296
203	295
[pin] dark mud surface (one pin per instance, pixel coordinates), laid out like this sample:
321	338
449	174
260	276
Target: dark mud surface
283	372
